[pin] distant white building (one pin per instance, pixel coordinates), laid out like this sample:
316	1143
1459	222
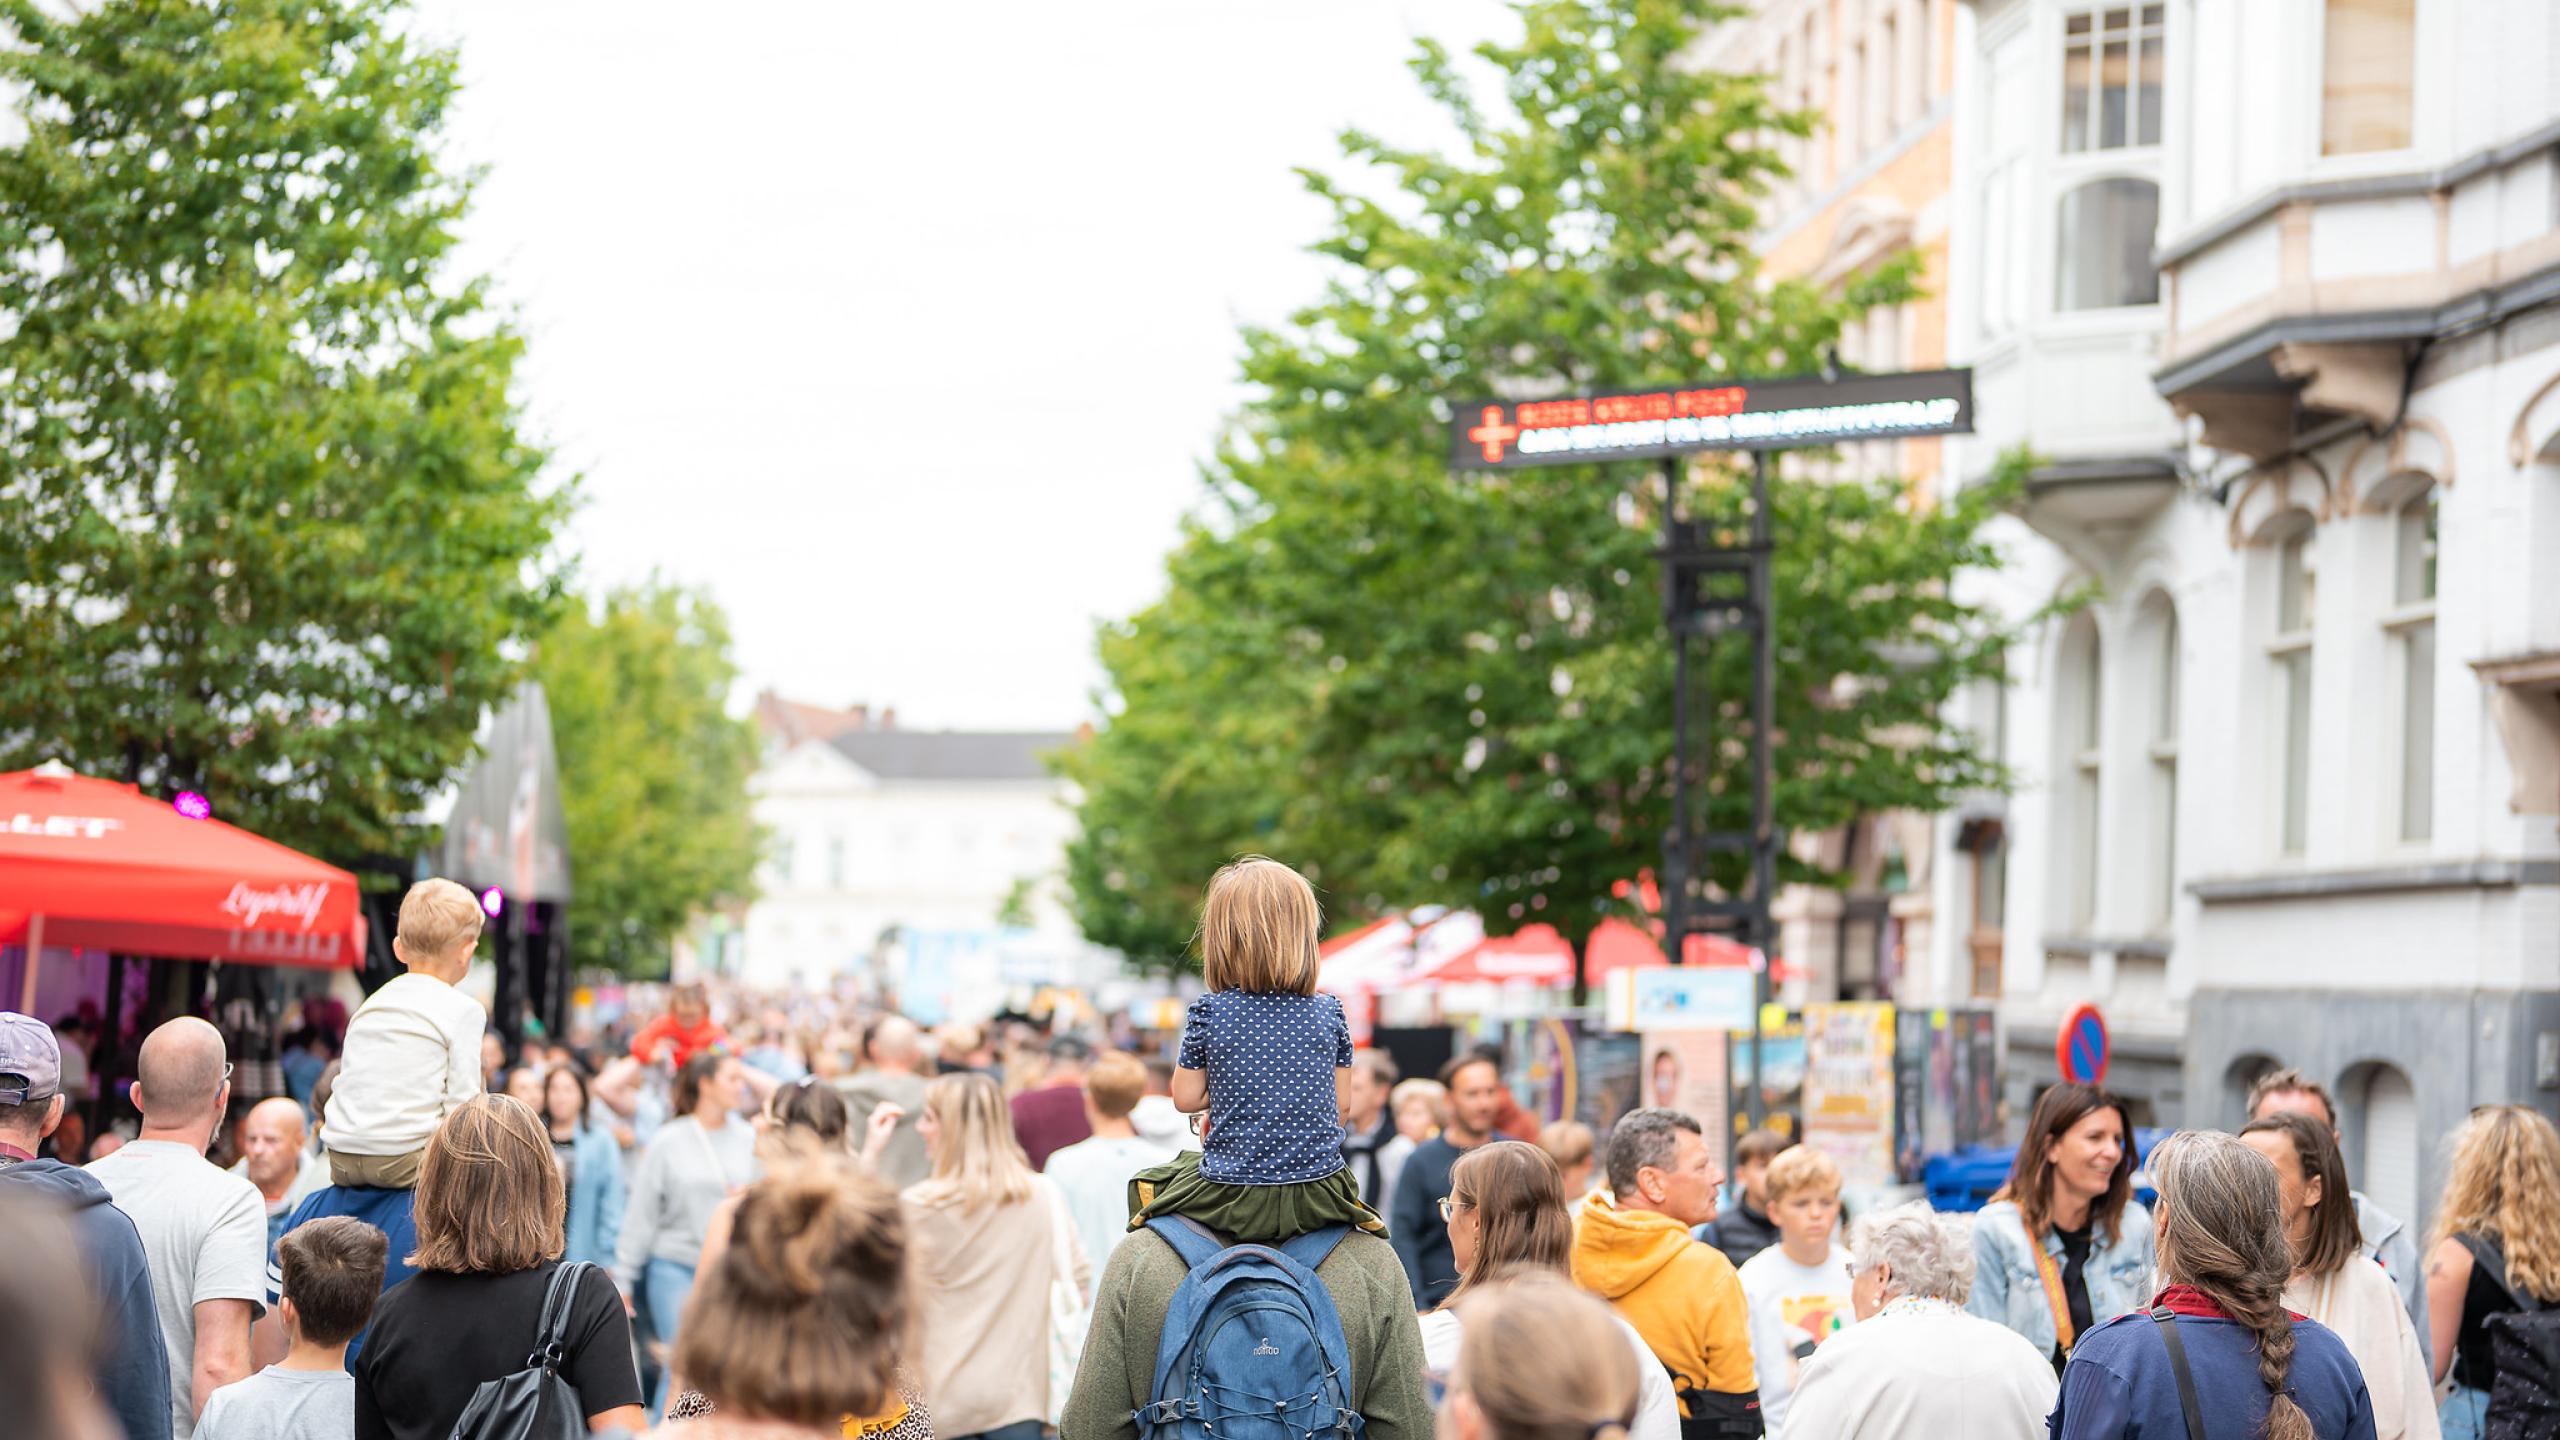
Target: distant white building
884	844
2273	286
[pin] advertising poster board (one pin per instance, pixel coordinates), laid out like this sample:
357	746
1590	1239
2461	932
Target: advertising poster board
1607	1067
1946	1084
1782	1090
1684	1070
1849	1089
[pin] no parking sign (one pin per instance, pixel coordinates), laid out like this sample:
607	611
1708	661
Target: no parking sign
2080	1046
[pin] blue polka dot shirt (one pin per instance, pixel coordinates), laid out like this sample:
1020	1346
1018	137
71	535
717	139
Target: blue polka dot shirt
1273	1115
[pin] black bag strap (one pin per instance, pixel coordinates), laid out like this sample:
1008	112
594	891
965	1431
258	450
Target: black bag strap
551	1338
2485	1251
2167	1320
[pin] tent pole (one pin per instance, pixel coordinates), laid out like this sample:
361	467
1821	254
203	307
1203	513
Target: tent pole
35	962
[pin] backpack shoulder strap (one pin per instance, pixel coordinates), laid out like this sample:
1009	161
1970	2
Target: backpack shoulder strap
2187	1402
2487	1252
1315	1247
1196	1246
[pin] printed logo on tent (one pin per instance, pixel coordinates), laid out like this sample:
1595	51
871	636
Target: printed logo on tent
293	902
65	827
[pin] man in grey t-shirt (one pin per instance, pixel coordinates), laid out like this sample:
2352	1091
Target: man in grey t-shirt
896	1055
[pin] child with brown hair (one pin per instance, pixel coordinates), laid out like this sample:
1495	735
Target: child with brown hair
1262	1053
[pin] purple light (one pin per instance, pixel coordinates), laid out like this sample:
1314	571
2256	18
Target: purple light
493	900
192	805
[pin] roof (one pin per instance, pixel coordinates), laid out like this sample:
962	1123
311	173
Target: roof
952	754
792	721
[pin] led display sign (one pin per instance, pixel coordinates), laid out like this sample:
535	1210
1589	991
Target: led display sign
1676	419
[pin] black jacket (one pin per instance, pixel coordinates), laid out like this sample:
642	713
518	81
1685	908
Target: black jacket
1360	1152
1740	1232
1421	1237
132	1367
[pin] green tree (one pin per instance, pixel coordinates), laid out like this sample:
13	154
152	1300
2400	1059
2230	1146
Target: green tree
272	531
1422	687
653	771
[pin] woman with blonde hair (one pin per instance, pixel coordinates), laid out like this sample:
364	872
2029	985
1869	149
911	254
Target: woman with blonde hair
2496	1249
988	1239
489	1211
797	1326
1540	1360
1569	1143
2218	1357
1507	1217
1421	1108
2332	1281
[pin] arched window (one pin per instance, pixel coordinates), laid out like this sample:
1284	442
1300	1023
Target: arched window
2104	256
2079	726
2383	1145
2289	655
2411	628
2159	632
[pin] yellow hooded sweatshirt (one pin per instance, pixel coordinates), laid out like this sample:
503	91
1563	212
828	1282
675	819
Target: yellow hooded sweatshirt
1683	1297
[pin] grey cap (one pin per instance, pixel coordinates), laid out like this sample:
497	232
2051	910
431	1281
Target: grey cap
30	1060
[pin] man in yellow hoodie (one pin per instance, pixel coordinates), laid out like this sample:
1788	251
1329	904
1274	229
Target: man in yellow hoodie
1631	1246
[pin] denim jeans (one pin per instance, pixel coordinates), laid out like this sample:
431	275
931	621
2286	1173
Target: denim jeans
2461	1413
669	1283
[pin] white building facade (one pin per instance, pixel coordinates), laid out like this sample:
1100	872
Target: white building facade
885	844
2272	289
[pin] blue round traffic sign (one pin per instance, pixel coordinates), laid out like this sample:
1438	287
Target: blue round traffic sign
2080	1049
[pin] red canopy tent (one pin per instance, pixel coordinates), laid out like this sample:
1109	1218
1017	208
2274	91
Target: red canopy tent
1537	955
98	864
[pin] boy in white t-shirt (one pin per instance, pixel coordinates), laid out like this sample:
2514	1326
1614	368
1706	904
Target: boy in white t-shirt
1799	1287
413	1048
332	1272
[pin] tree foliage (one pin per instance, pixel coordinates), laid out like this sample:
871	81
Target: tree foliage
1421	687
273	532
653	771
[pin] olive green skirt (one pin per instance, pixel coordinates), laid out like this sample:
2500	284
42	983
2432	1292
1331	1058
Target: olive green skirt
1252	1214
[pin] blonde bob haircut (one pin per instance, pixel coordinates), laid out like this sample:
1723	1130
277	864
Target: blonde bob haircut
1541	1360
489	1195
977	1162
1258	929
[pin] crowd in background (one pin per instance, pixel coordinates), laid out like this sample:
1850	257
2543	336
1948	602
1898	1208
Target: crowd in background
746	1212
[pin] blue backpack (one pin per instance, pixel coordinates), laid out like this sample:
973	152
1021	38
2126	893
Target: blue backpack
1252	1347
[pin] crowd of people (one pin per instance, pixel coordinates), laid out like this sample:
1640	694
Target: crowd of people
840	1224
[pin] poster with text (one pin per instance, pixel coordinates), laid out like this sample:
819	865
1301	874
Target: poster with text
1781	1089
1848	1089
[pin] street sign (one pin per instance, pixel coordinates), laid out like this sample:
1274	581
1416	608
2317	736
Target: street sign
1716	415
2080	1049
1691	997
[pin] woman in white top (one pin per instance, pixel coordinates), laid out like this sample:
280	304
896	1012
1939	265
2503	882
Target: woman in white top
988	1241
1506	1214
1916	1363
2335	1284
1540	1362
696	1161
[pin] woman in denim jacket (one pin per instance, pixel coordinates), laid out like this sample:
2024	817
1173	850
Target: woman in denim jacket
2064	1246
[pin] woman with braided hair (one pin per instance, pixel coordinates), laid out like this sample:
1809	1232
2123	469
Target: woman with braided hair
2218	1357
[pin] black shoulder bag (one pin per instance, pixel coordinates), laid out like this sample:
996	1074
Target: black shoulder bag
2167	1320
534	1403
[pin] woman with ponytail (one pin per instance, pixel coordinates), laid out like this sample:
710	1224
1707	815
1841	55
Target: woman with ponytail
796	1327
1540	1360
2218	1357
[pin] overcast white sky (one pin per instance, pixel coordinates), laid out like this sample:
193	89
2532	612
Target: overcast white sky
902	328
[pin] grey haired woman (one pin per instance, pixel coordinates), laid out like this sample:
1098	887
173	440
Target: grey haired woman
2217	1357
1917	1363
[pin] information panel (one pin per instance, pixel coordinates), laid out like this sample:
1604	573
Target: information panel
1675	420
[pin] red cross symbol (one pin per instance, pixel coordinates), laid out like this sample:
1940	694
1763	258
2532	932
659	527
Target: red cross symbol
1492	434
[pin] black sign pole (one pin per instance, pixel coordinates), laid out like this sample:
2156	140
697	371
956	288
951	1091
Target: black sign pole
1764	834
1676	603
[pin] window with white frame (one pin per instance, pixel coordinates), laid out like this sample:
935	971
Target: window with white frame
2368	75
2084	770
2411	627
2103	245
2113	62
2161	624
779	864
2289	655
835	862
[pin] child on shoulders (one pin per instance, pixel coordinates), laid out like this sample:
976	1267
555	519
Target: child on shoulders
1263	1054
413	1048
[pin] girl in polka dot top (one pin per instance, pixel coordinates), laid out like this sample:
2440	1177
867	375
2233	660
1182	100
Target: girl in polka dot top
1262	1052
